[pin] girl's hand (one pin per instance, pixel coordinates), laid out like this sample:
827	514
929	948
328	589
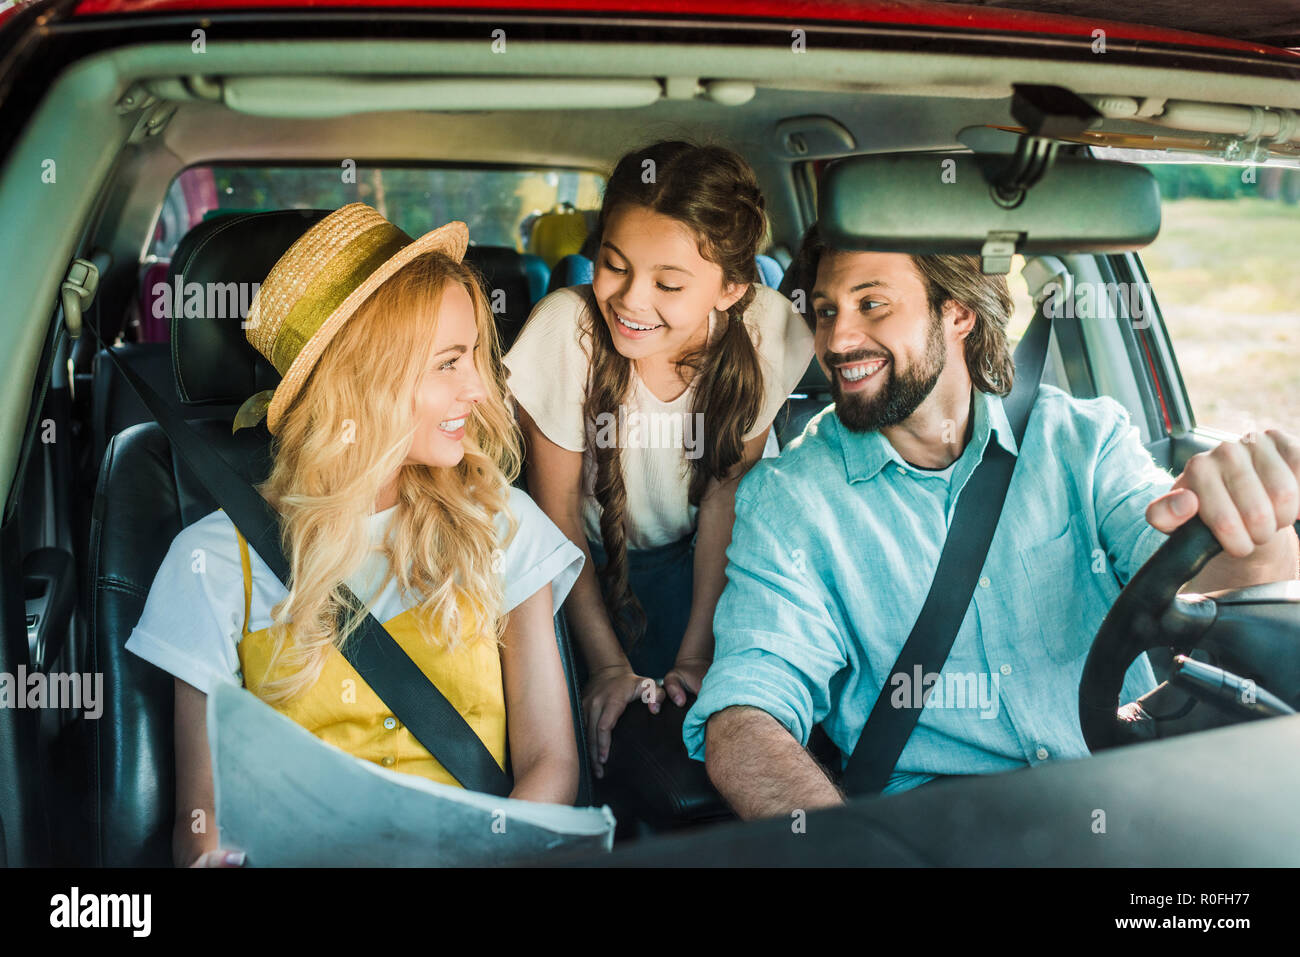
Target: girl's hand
609	691
685	678
220	859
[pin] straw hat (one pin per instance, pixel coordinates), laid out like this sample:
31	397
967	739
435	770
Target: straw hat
315	288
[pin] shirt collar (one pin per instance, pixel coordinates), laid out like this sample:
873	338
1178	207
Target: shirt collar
866	454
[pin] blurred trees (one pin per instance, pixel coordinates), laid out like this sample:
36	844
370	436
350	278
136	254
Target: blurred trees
494	201
1210	181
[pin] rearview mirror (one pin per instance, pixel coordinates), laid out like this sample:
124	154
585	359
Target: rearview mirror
931	203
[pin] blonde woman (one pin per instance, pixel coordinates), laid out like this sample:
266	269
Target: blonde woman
393	459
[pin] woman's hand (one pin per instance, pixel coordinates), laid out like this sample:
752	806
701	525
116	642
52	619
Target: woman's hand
685	678
608	693
220	859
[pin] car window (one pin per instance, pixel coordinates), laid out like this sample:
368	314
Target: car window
1023	306
1223	271
498	204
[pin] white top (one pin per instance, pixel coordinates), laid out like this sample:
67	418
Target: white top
548	366
192	619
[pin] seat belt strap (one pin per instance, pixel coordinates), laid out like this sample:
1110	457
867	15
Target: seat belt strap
372	651
965	550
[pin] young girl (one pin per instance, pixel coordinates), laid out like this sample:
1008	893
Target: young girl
393	456
644	397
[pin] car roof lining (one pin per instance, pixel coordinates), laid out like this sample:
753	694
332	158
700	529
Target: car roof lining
875	70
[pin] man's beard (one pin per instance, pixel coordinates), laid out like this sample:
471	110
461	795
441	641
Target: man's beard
899	396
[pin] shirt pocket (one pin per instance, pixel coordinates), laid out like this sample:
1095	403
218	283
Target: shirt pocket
1062	591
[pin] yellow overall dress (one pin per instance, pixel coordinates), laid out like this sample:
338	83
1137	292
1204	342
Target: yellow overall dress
341	709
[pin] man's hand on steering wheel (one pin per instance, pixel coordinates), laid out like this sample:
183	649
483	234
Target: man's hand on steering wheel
1247	492
1245	496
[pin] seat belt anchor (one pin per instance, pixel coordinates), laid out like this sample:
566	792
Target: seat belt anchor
78	292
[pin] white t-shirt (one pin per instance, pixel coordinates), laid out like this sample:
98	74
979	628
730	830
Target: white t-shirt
193	616
549	365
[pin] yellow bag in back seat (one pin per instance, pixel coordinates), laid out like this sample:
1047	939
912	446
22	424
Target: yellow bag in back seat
558	234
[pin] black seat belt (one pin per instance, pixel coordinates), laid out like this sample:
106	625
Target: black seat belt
964	552
371	650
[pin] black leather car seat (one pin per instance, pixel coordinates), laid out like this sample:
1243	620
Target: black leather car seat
114	406
810	396
122	763
507	285
120	801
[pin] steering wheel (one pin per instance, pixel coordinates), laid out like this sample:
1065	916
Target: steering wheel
1148	613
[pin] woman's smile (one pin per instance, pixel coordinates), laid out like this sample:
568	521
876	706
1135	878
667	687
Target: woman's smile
453	428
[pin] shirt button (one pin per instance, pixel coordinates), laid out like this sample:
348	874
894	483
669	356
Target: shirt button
1005	669
901	470
1041	754
984	581
389	761
390	723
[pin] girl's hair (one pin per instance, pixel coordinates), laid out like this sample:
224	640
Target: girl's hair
342	439
714	192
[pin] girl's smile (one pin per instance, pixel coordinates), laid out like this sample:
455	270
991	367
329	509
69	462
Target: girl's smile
636	329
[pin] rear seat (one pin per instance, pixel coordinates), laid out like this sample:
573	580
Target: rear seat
512	283
770	272
572	270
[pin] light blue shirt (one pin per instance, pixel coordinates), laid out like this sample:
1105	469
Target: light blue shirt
832	554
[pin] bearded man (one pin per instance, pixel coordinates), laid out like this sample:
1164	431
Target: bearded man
837	540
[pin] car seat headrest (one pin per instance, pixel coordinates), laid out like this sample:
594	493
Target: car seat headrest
214	274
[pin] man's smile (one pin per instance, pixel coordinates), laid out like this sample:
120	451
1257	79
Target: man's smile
855	375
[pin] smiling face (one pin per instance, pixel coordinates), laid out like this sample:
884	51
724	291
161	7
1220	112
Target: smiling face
450	386
876	337
654	289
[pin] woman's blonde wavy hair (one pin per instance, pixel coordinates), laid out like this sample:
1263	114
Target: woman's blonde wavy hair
340	441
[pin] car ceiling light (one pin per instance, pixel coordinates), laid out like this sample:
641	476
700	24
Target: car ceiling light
729	92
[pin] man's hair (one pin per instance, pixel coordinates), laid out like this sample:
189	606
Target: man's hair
957	278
